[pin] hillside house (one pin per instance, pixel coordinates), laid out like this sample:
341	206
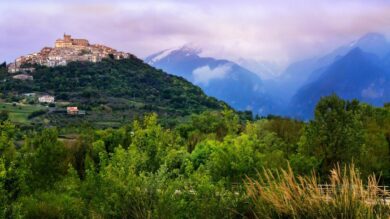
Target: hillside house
72	110
29	94
46	99
23	77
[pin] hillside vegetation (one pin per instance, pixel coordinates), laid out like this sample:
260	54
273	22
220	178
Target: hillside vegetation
111	91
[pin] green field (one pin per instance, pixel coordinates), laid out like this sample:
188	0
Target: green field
19	113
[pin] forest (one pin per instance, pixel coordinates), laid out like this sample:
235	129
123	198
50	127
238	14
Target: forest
212	165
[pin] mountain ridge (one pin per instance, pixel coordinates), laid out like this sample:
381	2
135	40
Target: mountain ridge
302	72
357	75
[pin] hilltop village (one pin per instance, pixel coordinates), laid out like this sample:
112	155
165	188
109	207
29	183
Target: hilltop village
65	50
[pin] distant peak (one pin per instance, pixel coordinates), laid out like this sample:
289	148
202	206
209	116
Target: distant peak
372	37
354	52
158	56
187	50
191	48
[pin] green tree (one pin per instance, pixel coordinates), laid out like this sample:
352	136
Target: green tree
4	115
3	191
336	133
151	139
7	138
209	124
49	160
375	155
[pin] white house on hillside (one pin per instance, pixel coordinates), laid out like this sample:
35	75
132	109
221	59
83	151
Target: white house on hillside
46	99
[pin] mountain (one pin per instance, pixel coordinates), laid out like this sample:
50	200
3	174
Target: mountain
357	75
306	71
222	79
111	91
374	43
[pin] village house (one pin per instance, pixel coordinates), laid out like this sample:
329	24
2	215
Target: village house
46	99
72	110
29	94
23	77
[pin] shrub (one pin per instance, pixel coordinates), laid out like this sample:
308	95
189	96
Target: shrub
49	205
4	115
36	113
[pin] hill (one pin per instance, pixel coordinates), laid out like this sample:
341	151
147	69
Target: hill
111	91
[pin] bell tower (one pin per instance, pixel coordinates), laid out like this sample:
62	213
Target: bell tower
67	38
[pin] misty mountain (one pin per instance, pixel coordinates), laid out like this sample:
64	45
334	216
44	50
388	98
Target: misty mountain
306	71
357	75
222	79
264	69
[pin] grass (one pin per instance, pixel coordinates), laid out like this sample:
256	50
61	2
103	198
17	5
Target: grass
284	195
19	113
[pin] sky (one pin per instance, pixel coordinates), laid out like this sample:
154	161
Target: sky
279	31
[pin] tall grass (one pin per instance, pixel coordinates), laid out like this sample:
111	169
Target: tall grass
284	195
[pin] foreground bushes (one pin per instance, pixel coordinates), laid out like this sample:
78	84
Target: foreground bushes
284	195
197	169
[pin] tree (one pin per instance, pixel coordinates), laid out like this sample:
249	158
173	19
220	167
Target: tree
3	191
151	139
209	124
3	115
7	137
48	162
335	134
375	155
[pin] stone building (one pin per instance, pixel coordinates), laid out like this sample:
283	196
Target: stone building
67	41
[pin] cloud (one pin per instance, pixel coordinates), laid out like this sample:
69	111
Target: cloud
204	74
279	30
372	92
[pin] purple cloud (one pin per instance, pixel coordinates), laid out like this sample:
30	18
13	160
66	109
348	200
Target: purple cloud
279	31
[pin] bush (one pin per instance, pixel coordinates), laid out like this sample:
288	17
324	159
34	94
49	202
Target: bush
49	205
36	114
4	115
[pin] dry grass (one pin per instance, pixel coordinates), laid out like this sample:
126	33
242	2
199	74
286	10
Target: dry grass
284	195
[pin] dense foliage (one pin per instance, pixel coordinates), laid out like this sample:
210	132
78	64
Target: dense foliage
193	170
